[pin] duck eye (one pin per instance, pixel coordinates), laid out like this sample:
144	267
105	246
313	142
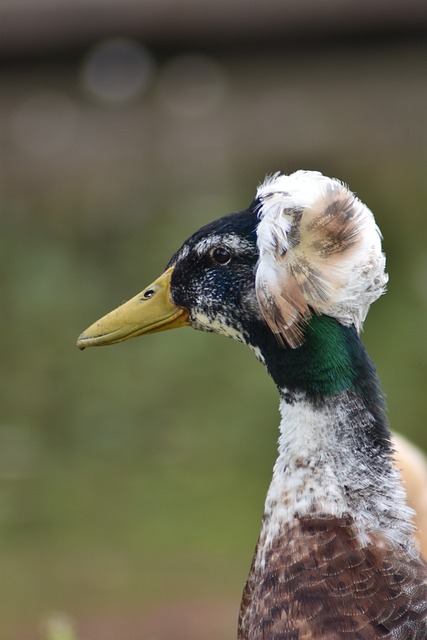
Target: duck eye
221	255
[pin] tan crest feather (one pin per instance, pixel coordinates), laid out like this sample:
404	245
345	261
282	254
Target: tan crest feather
320	252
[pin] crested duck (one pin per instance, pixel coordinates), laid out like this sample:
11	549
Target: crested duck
292	277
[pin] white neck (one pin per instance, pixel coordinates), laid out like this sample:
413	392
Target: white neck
328	463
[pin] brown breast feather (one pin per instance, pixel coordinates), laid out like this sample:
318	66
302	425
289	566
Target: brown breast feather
319	583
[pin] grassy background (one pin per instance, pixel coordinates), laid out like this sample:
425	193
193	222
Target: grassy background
132	478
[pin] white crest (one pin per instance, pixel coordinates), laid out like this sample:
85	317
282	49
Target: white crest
320	251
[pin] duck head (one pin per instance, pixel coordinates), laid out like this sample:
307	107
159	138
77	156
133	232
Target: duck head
305	247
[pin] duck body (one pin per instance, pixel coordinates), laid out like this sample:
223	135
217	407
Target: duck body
292	277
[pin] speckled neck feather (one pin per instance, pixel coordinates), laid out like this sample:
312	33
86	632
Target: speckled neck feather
331	460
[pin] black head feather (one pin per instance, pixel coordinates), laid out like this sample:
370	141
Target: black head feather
214	275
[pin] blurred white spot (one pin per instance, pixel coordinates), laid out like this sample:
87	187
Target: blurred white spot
59	627
117	70
45	123
192	86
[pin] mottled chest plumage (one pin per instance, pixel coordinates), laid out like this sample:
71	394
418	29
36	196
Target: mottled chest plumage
319	582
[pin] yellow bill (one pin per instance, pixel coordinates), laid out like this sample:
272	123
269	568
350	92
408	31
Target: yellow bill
150	311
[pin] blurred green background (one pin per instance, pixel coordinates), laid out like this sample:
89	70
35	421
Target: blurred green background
132	478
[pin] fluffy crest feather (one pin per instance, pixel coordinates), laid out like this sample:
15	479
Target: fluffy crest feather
320	251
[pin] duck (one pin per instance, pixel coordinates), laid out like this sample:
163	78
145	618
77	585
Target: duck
292	276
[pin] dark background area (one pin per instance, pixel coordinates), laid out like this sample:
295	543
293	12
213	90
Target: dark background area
132	479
